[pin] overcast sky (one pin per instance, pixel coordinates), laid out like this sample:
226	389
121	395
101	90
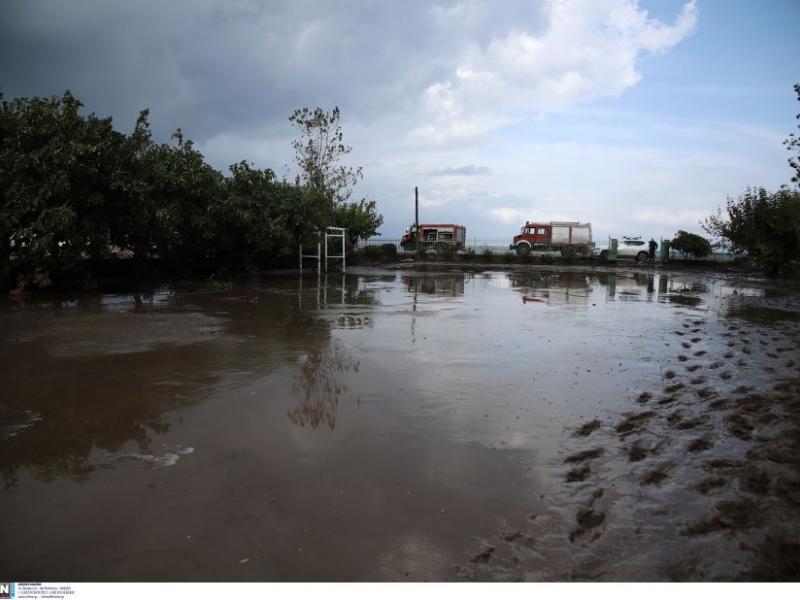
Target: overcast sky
640	117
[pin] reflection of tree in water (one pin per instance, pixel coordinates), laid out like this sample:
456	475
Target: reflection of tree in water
693	287
685	293
55	411
317	389
57	431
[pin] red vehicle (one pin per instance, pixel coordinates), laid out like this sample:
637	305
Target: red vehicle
566	236
434	236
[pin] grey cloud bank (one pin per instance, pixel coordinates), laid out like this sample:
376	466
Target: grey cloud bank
422	87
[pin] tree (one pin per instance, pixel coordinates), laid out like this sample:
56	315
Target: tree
691	243
764	225
318	153
359	218
76	195
793	143
55	169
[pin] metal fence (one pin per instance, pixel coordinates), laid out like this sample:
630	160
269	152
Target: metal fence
474	244
501	246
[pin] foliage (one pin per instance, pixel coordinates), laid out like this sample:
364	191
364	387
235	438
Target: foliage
764	225
76	194
360	218
54	169
318	151
381	253
793	143
691	243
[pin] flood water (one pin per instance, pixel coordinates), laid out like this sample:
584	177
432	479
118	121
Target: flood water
373	426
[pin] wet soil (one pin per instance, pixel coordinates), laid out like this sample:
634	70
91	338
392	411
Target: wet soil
405	426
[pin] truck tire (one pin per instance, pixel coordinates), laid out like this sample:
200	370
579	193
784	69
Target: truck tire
642	256
523	249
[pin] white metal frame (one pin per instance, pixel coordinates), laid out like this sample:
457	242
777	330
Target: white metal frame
330	232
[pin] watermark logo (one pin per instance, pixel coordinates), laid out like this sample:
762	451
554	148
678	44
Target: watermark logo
8	590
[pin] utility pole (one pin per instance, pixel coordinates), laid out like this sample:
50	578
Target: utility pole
416	208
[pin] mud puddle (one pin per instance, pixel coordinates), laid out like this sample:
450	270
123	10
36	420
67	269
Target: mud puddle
383	426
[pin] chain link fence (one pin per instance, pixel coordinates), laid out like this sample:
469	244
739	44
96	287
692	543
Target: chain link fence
501	246
473	244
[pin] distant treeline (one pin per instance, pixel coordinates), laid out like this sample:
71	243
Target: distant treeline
78	198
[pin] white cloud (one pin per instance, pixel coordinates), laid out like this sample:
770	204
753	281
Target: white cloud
506	215
588	50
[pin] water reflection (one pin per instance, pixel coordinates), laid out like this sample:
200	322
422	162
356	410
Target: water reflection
96	372
436	284
51	423
317	389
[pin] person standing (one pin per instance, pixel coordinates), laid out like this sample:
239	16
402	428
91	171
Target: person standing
652	245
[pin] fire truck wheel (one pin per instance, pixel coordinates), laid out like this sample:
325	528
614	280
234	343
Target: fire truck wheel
523	249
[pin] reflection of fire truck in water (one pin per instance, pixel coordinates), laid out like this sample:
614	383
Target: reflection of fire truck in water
434	237
451	284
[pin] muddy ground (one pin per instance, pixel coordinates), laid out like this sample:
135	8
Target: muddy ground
539	424
700	479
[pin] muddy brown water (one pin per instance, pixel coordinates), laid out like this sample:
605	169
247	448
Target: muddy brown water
400	426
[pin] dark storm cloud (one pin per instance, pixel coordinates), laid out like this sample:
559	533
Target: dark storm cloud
215	67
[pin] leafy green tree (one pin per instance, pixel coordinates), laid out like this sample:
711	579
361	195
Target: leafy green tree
78	197
359	218
764	225
691	243
55	167
319	151
792	143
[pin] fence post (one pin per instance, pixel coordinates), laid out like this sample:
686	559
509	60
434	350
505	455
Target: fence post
612	250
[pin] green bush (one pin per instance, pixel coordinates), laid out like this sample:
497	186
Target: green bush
764	225
389	252
691	243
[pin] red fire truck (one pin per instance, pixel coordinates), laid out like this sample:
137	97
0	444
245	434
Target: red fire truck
434	236
570	237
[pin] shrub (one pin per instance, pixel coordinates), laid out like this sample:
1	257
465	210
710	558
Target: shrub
764	225
691	243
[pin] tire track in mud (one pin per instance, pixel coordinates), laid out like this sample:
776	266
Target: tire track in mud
700	481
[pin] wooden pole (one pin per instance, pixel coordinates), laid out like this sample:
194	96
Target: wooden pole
416	208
